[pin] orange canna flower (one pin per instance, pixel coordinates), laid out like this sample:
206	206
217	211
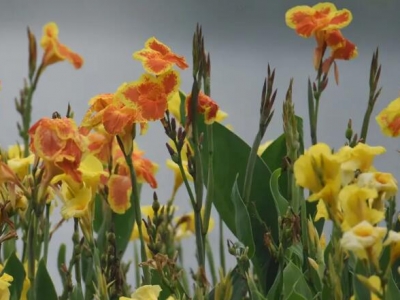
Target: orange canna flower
149	95
308	21
389	119
144	168
97	106
119	193
60	145
100	144
54	51
157	58
206	106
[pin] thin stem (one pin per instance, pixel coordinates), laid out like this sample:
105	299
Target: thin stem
222	245
77	255
210	180
248	179
27	113
211	262
46	234
135	201
32	241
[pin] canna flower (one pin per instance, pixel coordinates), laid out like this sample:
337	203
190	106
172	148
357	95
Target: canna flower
17	162
157	58
319	171
60	145
174	107
7	174
100	144
381	182
393	239
389	119
145	292
5	280
365	240
148	212
205	105
149	95
356	207
185	225
357	159
119	183
308	21
54	51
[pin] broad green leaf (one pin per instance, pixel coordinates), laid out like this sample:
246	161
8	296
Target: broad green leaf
9	247
294	280
242	220
281	203
295	296
230	158
77	293
166	290
239	284
15	269
123	226
295	254
44	287
275	291
392	292
98	213
255	294
61	260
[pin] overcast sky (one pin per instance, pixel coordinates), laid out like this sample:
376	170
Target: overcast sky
242	37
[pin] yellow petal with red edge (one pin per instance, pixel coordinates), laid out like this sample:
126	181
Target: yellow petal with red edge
119	193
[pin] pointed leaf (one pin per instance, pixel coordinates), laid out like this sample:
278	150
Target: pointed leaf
44	287
281	203
15	268
242	220
61	258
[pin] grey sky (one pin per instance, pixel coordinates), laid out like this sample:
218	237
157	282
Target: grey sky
242	37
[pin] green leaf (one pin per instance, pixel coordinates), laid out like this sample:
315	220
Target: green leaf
392	292
44	287
255	294
275	291
360	290
230	158
281	203
242	220
98	213
166	290
77	293
182	108
15	268
239	284
295	253
294	283
61	258
9	247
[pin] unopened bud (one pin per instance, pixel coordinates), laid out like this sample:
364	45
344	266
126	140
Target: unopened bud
32	53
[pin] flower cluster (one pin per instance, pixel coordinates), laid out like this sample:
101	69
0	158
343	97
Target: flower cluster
324	22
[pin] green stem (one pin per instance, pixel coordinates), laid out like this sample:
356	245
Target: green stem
135	201
32	241
210	181
367	117
136	260
211	262
248	179
185	280
222	246
46	234
27	113
77	255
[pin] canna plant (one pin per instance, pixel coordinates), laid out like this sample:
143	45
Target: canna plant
275	199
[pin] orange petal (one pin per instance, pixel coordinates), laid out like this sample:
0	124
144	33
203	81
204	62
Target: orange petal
119	193
116	120
340	19
170	81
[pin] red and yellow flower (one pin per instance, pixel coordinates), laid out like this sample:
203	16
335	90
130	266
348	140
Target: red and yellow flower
54	51
158	58
389	119
59	144
205	105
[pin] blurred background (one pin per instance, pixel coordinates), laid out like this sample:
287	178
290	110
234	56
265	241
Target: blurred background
242	36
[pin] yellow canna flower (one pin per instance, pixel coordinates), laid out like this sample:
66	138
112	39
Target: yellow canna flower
393	240
364	240
357	159
318	170
5	280
322	212
389	119
382	182
185	225
145	292
147	211
356	208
